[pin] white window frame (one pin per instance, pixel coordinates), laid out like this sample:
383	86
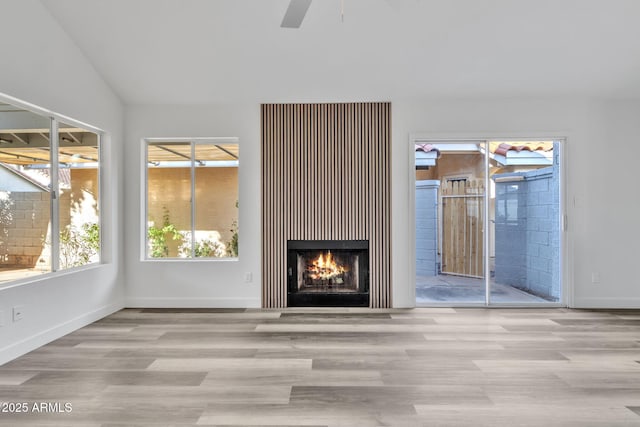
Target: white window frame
54	203
144	237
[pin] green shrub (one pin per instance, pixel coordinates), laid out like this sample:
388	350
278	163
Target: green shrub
157	237
78	247
232	245
208	248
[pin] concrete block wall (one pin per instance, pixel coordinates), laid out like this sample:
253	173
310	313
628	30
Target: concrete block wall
528	246
24	227
542	230
427	227
510	234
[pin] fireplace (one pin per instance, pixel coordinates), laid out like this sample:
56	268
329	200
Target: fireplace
333	273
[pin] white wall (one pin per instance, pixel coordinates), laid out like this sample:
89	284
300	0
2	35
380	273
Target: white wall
195	283
598	235
603	235
602	197
42	66
608	240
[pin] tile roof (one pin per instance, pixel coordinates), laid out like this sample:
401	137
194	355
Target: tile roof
504	147
427	148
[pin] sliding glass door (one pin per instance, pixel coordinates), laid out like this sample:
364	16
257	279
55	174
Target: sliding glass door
525	222
487	222
450	211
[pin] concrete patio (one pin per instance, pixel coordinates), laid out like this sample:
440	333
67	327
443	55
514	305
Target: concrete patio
459	289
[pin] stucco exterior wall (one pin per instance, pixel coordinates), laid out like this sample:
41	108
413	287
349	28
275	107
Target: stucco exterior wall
216	194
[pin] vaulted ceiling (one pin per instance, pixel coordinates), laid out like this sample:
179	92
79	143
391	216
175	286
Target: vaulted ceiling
210	51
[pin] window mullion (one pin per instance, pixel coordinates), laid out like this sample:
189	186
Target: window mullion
55	195
486	223
193	199
100	193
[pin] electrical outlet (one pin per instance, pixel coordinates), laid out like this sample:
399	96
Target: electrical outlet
248	277
595	277
18	313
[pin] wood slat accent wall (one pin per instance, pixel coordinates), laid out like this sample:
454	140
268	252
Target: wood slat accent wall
326	175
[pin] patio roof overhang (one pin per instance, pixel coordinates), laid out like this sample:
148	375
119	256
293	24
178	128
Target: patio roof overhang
31	147
179	154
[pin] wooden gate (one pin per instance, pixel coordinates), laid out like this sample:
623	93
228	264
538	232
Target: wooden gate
462	227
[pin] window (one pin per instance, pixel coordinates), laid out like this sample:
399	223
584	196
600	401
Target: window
49	194
192	198
79	188
507	204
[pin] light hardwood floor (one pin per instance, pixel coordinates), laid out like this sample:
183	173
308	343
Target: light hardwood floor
336	367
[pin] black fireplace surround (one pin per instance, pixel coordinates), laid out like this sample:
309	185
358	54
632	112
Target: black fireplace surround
328	273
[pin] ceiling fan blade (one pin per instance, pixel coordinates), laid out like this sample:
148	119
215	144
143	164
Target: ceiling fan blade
295	13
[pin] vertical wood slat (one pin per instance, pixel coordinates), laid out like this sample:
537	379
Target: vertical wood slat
326	174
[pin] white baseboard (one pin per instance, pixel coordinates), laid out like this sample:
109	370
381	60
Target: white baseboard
31	343
606	302
193	303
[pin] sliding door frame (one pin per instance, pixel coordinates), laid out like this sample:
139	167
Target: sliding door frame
564	274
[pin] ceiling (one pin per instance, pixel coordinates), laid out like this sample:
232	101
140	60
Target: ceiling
222	51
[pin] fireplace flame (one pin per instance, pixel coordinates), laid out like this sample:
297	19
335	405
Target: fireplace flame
325	268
